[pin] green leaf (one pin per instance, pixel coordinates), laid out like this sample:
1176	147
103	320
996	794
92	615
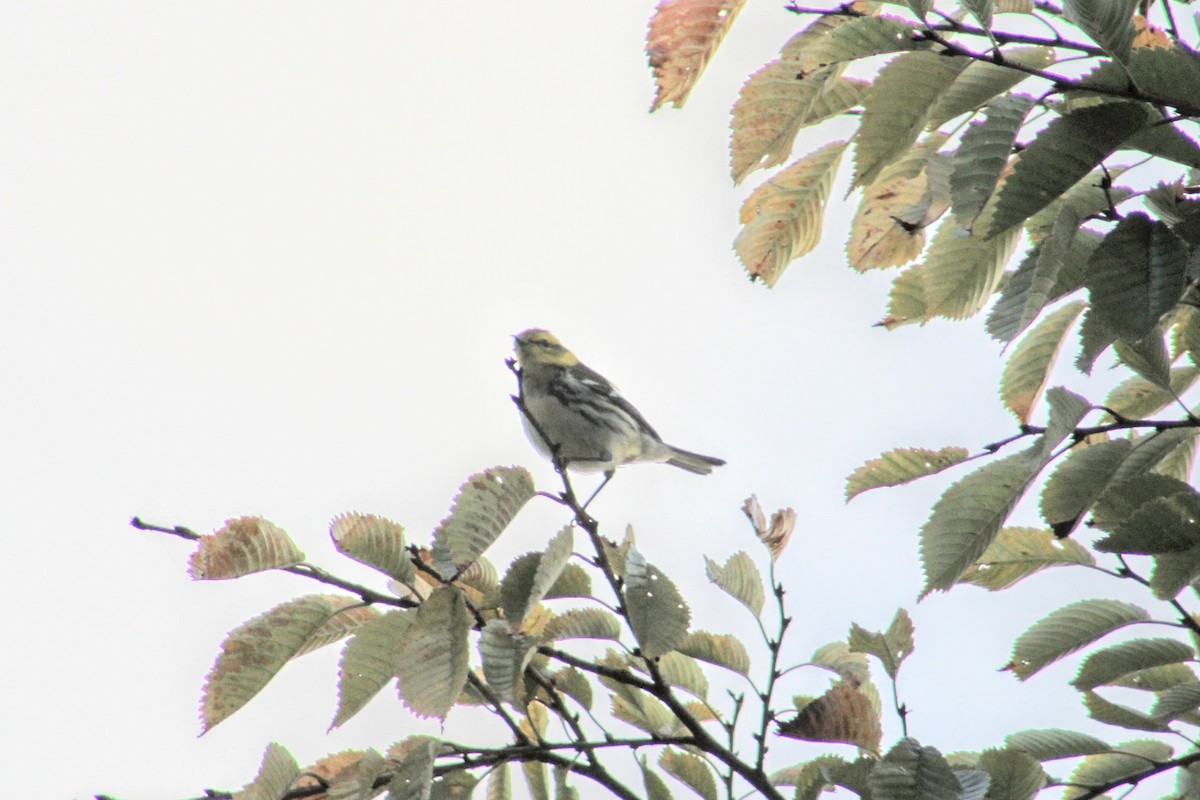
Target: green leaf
1067	410
1173	572
1094	338
981	81
1147	357
574	684
890	647
1121	716
1167	73
1158	525
739	578
657	613
912	772
969	514
1018	553
1079	481
1157	679
683	672
375	541
837	658
1122	498
1165	141
498	787
1028	368
656	787
981	10
1136	275
1108	23
1138	398
505	656
962	271
574	581
775	103
896	108
1050	744
241	547
413	777
859	38
1103	768
369	662
1015	775
722	649
582	623
275	776
483	508
532	576
901	466
435	654
256	650
1177	701
782	219
983	153
1068	629
1053	269
907	302
1061	154
691	770
1107	665
646	714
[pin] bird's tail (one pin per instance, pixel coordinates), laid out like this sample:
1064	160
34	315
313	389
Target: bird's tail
693	462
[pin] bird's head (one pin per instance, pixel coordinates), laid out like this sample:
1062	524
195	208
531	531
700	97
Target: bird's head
537	346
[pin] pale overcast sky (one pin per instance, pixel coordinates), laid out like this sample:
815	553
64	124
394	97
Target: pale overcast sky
267	258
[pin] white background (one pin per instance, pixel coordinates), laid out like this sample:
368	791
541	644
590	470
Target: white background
267	259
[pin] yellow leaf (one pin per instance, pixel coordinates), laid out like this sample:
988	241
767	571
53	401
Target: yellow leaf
683	36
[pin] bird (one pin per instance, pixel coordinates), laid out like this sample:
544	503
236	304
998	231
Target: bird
575	417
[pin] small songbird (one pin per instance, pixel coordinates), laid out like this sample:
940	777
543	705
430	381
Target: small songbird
589	425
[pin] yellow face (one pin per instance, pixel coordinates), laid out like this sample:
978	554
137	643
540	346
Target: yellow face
537	346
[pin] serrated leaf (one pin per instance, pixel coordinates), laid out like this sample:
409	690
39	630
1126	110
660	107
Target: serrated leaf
837	658
723	650
435	654
412	778
981	10
962	271
859	37
683	36
782	218
1173	572
1015	775
983	153
657	613
572	582
1107	665
888	229
1094	338
974	783
368	662
1100	769
980	82
1147	357
1050	744
896	109
656	787
1108	23
645	713
691	770
1068	629
276	774
683	672
890	647
1028	368
1136	275
1169	73
256	650
241	547
1018	553
1177	701
907	301
1157	679
1078	482
375	541
505	656
1122	498
483	508
1158	525
778	101
843	714
739	578
1062	153
574	684
901	466
582	623
531	577
1137	398
967	517
912	772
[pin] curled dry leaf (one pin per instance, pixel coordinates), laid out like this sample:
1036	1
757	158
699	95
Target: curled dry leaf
776	534
843	714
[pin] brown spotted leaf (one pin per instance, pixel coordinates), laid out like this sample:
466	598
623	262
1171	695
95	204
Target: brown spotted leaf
243	546
683	36
843	714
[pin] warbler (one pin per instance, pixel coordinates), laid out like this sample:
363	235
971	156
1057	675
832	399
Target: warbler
589	425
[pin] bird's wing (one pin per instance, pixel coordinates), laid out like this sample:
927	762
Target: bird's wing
599	385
